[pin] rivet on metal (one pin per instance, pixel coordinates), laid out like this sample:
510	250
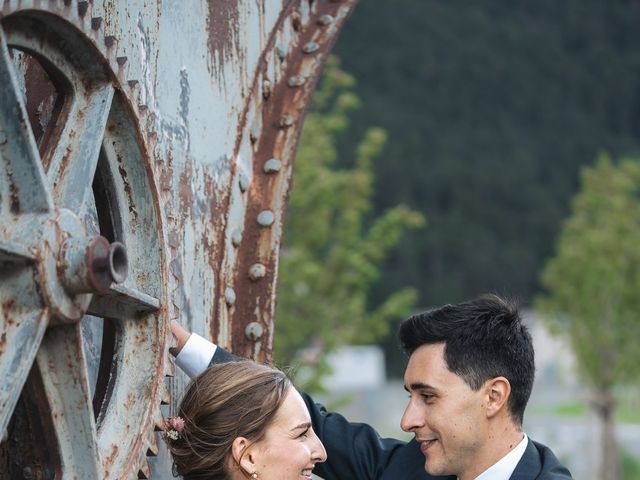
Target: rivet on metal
230	297
286	121
253	331
266	89
296	81
257	271
266	218
296	22
243	182
254	133
310	47
236	237
273	165
325	20
281	52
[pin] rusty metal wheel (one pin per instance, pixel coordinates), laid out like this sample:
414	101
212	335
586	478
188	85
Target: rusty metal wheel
81	355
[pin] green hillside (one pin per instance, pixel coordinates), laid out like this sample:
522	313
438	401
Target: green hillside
491	107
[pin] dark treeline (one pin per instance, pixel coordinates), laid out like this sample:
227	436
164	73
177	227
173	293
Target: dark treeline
492	107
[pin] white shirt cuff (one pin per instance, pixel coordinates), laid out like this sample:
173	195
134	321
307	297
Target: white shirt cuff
196	355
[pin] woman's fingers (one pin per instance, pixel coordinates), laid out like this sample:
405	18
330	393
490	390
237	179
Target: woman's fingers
180	336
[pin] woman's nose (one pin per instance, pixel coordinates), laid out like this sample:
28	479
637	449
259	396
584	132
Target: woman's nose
318	454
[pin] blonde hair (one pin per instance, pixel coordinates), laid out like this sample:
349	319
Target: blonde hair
227	401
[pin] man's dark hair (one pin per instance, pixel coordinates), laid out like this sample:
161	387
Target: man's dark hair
484	338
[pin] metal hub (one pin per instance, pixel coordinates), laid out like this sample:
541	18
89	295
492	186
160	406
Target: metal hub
74	191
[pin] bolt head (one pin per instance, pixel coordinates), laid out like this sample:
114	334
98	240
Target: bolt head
257	271
266	218
243	182
310	47
230	297
253	331
273	165
236	237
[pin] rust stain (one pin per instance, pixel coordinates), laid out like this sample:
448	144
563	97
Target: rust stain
278	138
222	27
127	187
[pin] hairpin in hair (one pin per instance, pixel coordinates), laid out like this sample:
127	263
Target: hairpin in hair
174	427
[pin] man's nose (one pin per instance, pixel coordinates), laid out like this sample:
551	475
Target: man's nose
411	418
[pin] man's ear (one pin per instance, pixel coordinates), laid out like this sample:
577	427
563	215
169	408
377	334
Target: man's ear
498	390
244	455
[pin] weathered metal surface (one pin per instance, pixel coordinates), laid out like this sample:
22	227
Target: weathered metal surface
170	128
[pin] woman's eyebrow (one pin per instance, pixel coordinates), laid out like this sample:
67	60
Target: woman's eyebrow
302	425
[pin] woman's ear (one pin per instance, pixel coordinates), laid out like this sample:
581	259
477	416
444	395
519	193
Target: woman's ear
244	455
498	391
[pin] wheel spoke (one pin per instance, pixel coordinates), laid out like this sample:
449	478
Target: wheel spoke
19	157
64	374
75	158
122	301
23	327
15	253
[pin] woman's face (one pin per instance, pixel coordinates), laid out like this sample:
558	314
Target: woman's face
290	448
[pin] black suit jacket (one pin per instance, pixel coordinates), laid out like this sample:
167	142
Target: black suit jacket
355	451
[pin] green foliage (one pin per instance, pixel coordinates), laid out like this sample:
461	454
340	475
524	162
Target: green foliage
492	107
333	244
594	278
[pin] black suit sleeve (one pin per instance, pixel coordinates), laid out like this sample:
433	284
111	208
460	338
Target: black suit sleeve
354	450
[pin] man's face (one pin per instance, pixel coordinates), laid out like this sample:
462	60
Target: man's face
446	416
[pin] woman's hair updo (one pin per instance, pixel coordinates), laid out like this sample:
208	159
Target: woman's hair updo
228	400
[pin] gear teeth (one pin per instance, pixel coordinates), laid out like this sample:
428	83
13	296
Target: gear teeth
158	421
144	471
83	6
164	394
153	450
169	369
110	41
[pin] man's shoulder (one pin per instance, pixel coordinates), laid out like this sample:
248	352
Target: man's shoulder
540	463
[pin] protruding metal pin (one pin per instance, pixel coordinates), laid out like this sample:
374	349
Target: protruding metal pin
253	331
243	182
273	165
236	237
257	271
266	89
281	52
296	81
325	20
230	297
254	133
310	47
266	218
286	121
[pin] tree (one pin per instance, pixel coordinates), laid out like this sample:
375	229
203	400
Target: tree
593	283
333	246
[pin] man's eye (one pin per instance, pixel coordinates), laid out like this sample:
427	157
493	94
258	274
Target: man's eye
304	434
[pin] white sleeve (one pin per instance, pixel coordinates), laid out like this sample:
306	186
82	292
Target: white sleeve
196	355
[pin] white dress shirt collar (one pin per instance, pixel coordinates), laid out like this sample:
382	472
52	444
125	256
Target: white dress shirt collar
503	469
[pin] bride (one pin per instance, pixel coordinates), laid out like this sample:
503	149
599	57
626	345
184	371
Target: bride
243	420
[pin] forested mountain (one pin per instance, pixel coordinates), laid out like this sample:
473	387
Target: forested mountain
491	107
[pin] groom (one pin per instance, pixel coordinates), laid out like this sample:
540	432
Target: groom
469	377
